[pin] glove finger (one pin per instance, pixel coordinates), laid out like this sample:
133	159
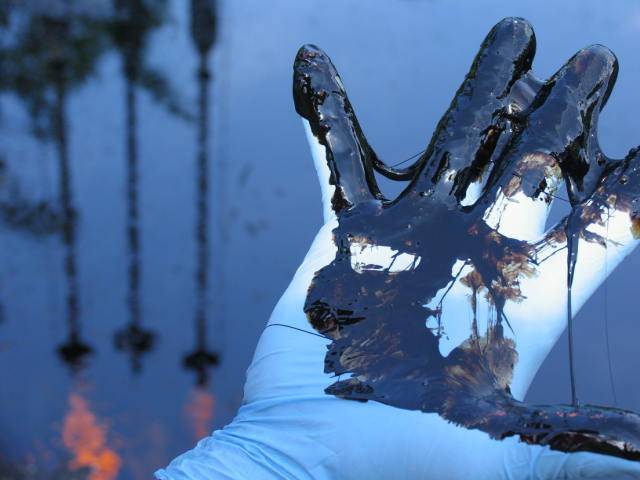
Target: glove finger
549	464
321	100
558	138
469	131
604	229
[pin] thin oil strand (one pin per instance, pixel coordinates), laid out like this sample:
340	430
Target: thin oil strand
408	159
572	246
298	329
606	315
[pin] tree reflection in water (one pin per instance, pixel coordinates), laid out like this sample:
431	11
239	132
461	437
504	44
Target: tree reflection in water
203	34
48	50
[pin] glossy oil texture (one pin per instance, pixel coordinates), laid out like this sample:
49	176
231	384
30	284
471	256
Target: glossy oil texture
505	136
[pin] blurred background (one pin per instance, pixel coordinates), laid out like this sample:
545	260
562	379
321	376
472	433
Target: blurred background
157	195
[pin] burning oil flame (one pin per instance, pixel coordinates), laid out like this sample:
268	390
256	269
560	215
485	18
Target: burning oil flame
86	438
199	411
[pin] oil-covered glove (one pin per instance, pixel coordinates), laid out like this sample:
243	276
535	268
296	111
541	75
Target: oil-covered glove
409	335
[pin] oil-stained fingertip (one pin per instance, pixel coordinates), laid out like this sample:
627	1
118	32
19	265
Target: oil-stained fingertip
518	33
594	64
599	53
516	26
313	72
309	50
507	53
604	65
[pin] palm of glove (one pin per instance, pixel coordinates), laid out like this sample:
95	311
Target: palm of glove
457	230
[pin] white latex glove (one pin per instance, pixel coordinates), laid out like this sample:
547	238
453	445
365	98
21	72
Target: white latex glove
520	149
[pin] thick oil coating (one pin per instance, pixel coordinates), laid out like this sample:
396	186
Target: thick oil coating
505	134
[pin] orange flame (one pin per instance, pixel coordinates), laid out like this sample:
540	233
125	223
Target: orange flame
85	438
199	411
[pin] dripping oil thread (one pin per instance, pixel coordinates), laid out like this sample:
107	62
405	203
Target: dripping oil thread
606	316
572	374
571	264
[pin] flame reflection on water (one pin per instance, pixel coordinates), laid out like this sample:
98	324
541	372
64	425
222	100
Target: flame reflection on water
199	412
85	436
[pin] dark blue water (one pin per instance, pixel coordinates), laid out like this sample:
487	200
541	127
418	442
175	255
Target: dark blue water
134	239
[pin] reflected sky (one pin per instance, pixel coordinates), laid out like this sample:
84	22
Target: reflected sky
191	199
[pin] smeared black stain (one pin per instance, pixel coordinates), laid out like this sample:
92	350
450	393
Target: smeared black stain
512	134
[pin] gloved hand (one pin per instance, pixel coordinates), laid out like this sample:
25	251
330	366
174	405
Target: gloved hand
435	310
